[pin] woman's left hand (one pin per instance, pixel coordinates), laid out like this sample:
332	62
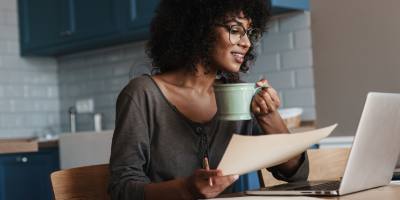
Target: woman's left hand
266	100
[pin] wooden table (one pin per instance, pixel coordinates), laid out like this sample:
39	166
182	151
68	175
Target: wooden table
390	192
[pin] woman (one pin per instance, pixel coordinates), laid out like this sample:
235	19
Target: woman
166	124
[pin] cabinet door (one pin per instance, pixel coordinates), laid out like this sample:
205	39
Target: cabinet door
140	12
27	176
88	19
39	23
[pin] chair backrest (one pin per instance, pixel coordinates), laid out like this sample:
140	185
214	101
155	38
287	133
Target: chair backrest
325	164
88	183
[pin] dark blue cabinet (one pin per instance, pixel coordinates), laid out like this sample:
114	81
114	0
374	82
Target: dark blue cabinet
49	27
54	27
139	13
40	22
87	19
27	175
284	6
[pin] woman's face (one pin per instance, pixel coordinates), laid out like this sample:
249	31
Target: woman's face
226	56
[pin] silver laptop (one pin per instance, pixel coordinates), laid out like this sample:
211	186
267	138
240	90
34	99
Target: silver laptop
373	156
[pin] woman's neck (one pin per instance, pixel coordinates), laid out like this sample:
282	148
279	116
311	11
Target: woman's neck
200	81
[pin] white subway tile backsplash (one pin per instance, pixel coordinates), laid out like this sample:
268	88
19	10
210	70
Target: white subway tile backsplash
302	39
266	63
36	120
8	33
105	100
308	113
4	106
13	121
97	87
11	18
135	50
8	6
281	80
14	91
94	59
3	48
53	118
297	58
102	72
113	56
273	26
277	42
304	78
38	91
299	97
12	47
2	17
2	90
291	23
118	83
122	68
52	92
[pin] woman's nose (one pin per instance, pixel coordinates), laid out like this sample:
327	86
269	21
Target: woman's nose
244	41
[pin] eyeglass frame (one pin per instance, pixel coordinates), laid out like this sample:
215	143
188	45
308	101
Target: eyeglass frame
246	32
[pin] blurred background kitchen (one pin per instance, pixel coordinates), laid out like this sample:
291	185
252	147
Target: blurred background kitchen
63	63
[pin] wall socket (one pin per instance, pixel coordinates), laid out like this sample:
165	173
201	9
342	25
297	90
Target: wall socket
85	106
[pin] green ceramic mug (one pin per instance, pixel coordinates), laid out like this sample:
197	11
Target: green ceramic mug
234	100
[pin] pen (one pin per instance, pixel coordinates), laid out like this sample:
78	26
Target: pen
207	167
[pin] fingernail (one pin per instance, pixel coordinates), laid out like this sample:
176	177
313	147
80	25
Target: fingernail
236	177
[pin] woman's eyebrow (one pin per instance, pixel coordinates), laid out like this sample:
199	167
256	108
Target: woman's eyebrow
234	20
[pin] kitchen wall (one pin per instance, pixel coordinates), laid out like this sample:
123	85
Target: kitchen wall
356	50
285	60
29	102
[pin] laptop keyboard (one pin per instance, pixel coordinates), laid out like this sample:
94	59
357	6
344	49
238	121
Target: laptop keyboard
331	185
324	186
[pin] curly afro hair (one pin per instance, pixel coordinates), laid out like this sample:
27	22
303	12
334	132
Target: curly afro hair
182	31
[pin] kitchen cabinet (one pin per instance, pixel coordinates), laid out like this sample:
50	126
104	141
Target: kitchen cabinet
50	28
39	23
27	175
139	13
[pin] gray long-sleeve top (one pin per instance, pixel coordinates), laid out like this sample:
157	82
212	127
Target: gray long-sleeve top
154	142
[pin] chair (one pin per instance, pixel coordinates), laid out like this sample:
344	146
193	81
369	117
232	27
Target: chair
325	164
89	183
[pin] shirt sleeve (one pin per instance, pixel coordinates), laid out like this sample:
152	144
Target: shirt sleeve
302	171
130	151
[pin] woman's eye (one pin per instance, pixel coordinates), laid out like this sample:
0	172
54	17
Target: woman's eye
236	31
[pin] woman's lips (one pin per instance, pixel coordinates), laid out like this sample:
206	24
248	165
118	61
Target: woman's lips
239	57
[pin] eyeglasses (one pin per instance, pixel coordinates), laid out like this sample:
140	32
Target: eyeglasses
236	32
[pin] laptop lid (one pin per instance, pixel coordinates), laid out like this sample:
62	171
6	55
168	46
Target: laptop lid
376	145
373	156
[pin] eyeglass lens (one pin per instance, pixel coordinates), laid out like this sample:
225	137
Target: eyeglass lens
237	32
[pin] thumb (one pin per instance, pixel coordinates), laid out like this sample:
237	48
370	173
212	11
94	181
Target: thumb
262	83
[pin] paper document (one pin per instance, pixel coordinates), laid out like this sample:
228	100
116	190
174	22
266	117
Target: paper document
249	153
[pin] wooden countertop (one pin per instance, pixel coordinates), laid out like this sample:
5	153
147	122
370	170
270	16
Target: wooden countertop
18	145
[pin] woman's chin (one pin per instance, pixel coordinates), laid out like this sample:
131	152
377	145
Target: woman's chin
232	68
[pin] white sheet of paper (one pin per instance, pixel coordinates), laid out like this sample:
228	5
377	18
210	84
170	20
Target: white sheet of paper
245	154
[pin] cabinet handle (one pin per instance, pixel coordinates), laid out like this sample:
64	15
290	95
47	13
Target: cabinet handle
65	33
22	159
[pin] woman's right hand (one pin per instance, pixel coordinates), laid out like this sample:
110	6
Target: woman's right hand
199	186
